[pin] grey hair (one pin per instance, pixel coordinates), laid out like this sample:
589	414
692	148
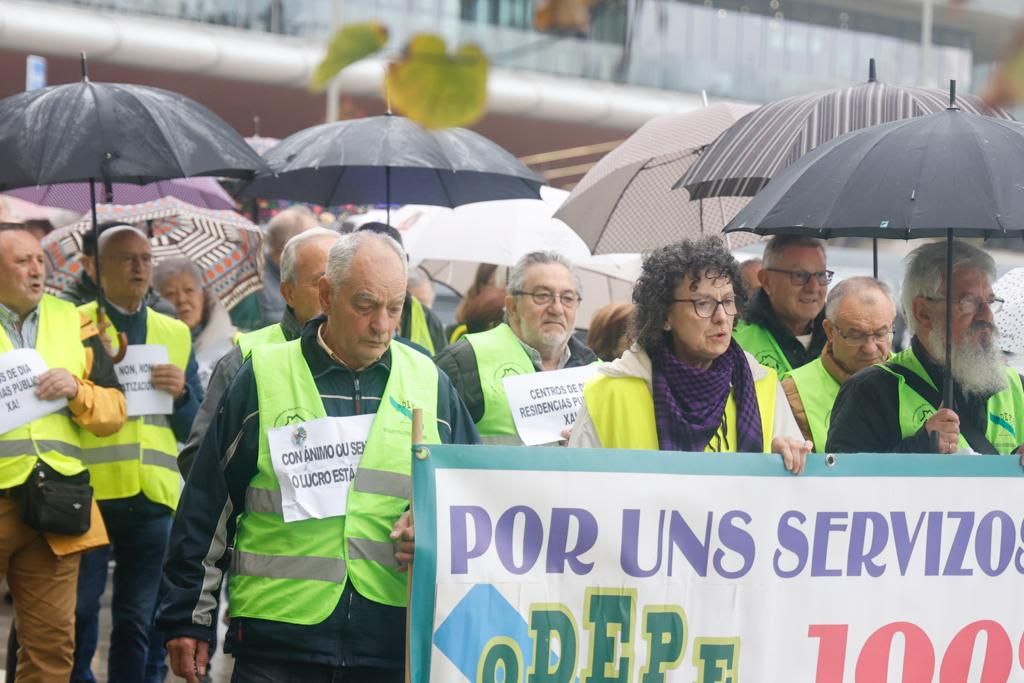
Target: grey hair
171	267
517	277
777	246
925	269
284	225
339	260
855	285
292	246
112	232
664	269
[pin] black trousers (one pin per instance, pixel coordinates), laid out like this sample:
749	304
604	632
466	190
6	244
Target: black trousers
256	670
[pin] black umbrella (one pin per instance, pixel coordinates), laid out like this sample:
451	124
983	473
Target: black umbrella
943	175
113	132
391	159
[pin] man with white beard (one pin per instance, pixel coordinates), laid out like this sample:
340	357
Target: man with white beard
896	406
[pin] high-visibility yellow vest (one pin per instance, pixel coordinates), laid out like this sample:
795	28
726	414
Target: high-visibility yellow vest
271	334
296	572
419	331
499	354
818	390
1004	411
55	438
143	455
622	410
761	344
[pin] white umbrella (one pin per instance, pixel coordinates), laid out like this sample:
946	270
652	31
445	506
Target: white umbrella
1010	318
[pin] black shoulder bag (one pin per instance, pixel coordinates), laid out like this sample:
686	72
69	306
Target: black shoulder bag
54	503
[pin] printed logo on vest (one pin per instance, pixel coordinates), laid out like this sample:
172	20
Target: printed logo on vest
293	416
769	361
922	414
507	370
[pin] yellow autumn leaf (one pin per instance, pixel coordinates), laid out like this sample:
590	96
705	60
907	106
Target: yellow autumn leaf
435	89
350	44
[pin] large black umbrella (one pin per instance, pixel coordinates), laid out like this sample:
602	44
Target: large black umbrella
393	160
113	132
947	174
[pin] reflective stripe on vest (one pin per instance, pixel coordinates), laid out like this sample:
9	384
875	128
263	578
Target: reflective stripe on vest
622	410
54	438
143	455
419	331
296	572
1003	415
818	390
761	344
499	354
271	334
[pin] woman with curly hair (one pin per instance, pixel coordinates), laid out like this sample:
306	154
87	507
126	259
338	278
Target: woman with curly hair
686	385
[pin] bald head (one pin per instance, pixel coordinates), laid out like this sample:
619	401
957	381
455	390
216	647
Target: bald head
859	318
286	225
126	266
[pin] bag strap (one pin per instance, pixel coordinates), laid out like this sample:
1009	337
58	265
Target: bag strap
974	436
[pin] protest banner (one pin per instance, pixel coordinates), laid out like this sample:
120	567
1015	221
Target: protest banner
559	565
316	462
19	373
544	404
134	372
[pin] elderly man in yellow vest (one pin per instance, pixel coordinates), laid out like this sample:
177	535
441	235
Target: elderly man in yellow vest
304	471
134	472
897	406
782	324
859	318
80	372
537	336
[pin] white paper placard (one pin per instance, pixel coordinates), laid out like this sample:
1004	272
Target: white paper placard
19	373
135	373
544	404
316	463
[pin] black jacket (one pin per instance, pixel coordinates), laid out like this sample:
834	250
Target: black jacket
759	312
459	362
358	632
866	414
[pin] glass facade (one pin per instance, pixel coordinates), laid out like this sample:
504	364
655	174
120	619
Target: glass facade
756	50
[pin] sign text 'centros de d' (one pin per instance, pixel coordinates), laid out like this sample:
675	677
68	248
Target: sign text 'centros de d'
556	566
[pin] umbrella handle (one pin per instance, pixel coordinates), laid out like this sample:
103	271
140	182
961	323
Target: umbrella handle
122	348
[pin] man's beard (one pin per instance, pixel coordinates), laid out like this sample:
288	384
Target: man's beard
979	368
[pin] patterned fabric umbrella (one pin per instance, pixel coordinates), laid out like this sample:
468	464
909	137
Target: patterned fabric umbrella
225	246
750	153
201	191
626	204
1010	318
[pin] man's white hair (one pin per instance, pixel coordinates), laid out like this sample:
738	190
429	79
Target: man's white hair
517	278
862	286
292	246
925	274
339	260
110	233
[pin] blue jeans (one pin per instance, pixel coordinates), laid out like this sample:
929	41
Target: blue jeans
137	545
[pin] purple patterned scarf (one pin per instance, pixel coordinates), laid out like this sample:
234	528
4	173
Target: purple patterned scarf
689	403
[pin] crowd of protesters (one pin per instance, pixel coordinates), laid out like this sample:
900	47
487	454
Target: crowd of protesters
709	357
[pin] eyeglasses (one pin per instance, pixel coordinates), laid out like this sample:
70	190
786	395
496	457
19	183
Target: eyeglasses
800	278
705	308
858	338
543	297
969	304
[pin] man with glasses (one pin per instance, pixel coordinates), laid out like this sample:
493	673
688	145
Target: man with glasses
782	325
540	312
859	316
897	406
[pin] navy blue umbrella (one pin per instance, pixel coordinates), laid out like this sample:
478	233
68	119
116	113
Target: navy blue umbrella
391	160
947	174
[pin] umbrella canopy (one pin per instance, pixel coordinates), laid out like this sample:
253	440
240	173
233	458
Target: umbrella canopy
389	159
225	246
762	143
1010	318
625	203
114	132
201	191
950	173
906	179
